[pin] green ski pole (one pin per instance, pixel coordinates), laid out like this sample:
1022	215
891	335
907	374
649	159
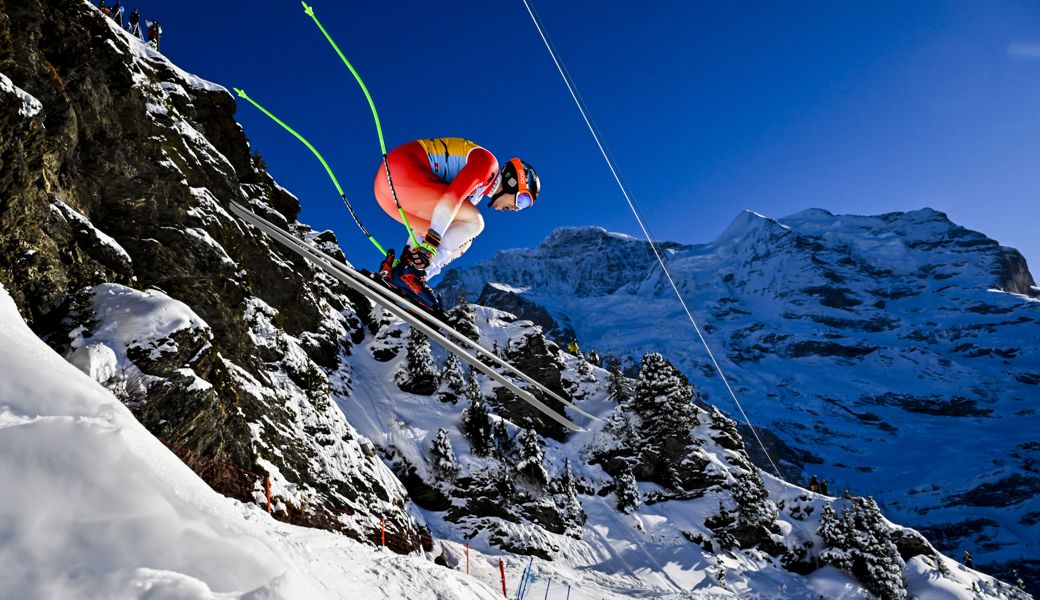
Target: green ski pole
242	94
375	115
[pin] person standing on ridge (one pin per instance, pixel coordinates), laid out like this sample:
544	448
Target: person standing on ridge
154	33
135	23
104	7
117	12
439	183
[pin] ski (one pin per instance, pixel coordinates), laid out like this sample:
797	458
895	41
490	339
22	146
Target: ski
349	270
401	308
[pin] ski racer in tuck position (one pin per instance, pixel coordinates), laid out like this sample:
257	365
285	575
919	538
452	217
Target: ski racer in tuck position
439	183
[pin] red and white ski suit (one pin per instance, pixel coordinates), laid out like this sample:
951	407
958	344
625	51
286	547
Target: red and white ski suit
439	182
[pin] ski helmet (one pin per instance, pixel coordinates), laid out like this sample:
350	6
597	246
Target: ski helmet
519	177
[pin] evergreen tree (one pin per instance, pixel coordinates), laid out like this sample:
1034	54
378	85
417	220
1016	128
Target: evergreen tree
756	510
626	491
566	490
617	389
530	461
443	457
476	421
663	399
861	544
500	434
463	319
416	374
452	382
667	416
883	563
837	538
567	485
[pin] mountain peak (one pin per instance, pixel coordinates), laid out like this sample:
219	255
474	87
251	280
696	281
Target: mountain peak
749	223
571	234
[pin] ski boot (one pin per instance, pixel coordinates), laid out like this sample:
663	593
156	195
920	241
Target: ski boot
408	278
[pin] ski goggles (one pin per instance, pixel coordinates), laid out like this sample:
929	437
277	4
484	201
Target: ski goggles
524	197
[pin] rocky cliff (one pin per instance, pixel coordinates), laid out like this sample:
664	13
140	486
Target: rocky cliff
115	171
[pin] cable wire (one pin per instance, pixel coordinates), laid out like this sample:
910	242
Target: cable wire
571	87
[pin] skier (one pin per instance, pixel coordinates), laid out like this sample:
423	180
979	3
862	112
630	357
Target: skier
135	23
154	32
573	348
104	7
439	183
117	12
814	484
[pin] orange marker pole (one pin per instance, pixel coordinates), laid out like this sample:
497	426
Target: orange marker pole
467	559
502	568
267	480
382	521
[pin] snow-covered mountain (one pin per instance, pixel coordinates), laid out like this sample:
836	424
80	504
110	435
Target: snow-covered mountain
895	355
117	250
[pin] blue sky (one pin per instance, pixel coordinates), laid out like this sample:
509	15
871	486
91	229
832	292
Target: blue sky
708	107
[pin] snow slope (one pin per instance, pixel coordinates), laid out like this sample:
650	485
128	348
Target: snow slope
95	507
646	554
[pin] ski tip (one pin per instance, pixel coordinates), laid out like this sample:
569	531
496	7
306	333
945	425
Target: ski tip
307	9
241	93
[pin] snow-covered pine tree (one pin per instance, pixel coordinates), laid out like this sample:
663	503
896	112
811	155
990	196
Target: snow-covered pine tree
566	490
663	401
617	388
452	382
463	319
443	456
500	433
416	374
882	562
837	535
476	422
530	460
755	511
861	544
626	491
